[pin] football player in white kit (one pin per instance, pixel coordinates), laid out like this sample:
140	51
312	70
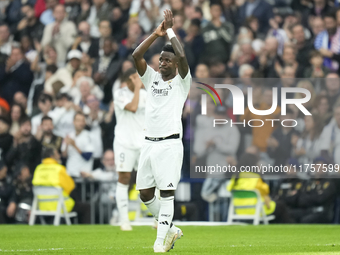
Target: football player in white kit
162	152
129	103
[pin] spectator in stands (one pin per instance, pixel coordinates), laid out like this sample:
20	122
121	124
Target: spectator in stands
202	71
73	10
29	25
99	11
106	68
77	148
51	173
94	120
17	114
5	192
259	9
261	134
221	141
303	46
84	87
308	146
268	56
45	106
280	142
65	74
85	42
65	124
128	45
107	174
6	138
47	16
317	69
217	36
25	148
332	88
15	76
320	9
322	108
59	34
327	42
317	25
194	42
21	99
330	138
288	59
5	41
21	192
46	137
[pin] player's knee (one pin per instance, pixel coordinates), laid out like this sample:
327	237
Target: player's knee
146	195
167	193
124	177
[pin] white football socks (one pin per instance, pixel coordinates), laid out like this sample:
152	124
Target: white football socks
153	205
122	200
166	213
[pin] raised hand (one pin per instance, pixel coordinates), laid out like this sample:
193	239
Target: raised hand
160	31
168	19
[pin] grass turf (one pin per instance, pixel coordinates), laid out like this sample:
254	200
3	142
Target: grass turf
104	239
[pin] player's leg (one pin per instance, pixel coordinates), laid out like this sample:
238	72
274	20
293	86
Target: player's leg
167	163
122	200
125	159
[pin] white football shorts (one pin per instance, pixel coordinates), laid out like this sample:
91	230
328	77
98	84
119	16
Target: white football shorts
126	159
160	164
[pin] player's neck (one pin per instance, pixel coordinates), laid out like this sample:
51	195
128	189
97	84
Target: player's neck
168	77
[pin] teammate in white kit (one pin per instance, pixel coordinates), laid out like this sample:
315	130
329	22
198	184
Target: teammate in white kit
162	152
129	103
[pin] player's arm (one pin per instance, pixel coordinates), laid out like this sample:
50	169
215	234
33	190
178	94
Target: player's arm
133	105
183	66
138	54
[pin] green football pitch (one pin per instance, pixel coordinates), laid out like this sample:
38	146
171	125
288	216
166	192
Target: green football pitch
105	239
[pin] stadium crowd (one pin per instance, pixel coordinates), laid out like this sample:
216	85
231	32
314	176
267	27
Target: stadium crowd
62	61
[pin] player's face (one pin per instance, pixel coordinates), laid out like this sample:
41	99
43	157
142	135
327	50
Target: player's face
167	63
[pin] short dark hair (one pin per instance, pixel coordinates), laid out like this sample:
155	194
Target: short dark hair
315	53
330	14
63	95
168	48
43	97
51	68
47	152
127	73
79	113
46	118
199	9
23	120
195	22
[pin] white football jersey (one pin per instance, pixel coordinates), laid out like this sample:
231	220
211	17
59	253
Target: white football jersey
164	104
130	126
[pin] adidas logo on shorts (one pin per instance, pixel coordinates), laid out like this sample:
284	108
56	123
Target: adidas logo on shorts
164	223
170	185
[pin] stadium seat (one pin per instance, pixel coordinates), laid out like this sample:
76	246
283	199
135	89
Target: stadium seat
256	217
61	211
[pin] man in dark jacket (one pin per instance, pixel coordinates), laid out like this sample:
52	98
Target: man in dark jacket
25	148
259	9
218	36
15	76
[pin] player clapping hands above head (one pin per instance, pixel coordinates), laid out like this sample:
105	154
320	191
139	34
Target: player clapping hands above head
162	152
